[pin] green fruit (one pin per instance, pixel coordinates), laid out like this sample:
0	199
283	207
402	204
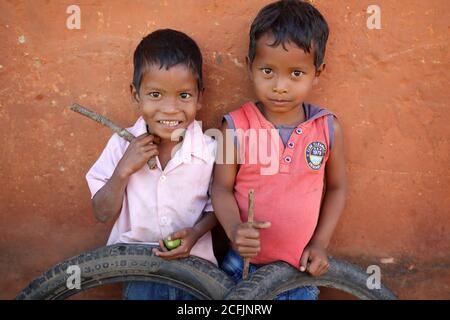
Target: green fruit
172	244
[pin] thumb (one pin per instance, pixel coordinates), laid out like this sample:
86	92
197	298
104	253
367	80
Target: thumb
304	260
261	224
177	235
156	139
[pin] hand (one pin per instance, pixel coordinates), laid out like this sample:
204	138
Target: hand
245	238
188	237
314	260
139	151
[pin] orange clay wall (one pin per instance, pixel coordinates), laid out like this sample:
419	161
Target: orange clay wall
388	84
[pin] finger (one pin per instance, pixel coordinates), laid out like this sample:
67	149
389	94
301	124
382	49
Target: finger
248	249
162	245
156	139
151	139
314	267
320	269
251	243
247	233
156	251
261	224
149	147
247	253
167	255
179	252
304	260
178	235
141	137
145	139
152	153
324	267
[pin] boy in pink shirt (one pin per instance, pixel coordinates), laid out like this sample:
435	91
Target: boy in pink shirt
295	213
172	200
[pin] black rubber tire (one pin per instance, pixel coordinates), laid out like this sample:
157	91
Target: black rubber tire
272	279
130	262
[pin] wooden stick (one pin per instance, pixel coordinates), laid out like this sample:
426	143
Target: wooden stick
108	123
251	193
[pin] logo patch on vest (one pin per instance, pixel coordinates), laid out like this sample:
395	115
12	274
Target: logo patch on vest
315	152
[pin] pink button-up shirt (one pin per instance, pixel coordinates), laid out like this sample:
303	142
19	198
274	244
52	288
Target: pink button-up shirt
159	202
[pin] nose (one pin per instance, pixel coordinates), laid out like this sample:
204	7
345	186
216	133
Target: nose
170	106
280	86
279	90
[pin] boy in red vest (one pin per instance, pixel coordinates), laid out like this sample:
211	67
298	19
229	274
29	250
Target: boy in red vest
295	214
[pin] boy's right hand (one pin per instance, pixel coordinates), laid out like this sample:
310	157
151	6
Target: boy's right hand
139	151
246	238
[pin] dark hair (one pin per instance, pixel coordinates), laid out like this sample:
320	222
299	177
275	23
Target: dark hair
167	48
291	20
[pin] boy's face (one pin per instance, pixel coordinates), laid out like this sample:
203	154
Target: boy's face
282	77
167	99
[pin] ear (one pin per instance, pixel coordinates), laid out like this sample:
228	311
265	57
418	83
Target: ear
134	94
200	99
318	73
249	68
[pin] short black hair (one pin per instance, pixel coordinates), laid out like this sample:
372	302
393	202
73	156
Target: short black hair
291	20
167	48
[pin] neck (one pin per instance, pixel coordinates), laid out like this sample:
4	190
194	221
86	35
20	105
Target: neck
291	118
167	143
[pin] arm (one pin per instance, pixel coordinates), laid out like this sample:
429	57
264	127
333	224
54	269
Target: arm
332	207
107	202
244	238
224	203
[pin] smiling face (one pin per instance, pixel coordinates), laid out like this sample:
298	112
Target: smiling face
282	78
168	99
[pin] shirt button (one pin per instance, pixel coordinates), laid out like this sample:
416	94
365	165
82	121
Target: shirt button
164	221
291	145
287	159
298	131
163	177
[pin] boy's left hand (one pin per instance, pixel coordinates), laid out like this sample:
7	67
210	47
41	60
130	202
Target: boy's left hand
314	260
188	237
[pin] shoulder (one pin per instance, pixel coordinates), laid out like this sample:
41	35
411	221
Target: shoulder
316	111
115	148
243	109
337	126
241	117
138	128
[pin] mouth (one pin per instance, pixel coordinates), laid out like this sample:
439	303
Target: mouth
279	102
169	123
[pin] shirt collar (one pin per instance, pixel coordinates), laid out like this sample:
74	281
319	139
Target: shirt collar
194	143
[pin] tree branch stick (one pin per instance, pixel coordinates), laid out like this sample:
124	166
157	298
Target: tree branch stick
108	123
251	193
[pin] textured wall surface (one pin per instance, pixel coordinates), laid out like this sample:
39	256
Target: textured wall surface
387	86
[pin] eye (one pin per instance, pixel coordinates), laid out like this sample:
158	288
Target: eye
267	71
297	73
185	95
155	95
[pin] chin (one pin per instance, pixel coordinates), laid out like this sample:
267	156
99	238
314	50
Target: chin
173	133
